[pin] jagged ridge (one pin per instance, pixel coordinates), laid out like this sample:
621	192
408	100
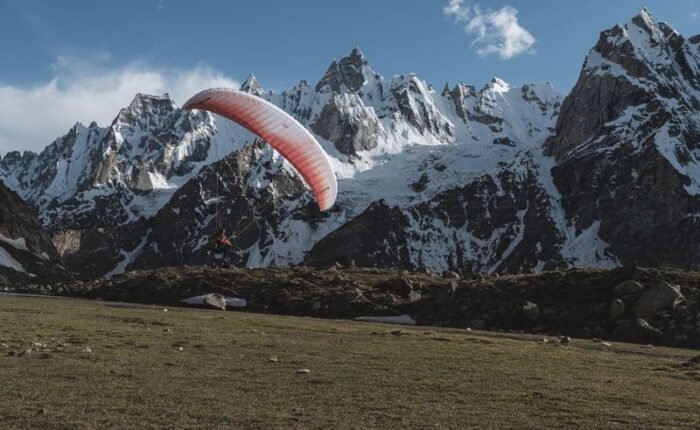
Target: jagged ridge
461	172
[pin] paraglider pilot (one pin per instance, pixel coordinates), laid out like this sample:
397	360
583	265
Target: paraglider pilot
219	243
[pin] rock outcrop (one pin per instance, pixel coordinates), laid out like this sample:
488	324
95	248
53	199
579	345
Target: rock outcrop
570	303
626	144
26	251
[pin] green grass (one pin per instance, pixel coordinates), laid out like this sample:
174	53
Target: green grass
362	375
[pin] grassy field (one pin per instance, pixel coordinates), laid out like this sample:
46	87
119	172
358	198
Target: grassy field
101	365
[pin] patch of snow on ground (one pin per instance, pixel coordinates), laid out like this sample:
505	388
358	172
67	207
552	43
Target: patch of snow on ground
7	261
668	147
129	257
587	249
19	243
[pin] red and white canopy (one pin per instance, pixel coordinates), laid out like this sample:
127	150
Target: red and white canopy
280	130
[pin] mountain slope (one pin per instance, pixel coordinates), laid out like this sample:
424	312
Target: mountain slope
487	180
25	248
626	145
109	189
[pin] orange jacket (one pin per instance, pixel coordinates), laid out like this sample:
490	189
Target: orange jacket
219	242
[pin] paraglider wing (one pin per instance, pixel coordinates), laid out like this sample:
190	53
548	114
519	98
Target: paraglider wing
280	130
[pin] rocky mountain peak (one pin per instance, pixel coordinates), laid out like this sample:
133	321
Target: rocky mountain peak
141	99
252	86
11	158
633	114
445	90
144	113
629	65
639	44
650	54
645	20
657	32
349	73
357	53
404	81
542	92
149	105
463	90
497	85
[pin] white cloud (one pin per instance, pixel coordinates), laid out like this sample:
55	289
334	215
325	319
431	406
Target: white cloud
458	10
495	32
32	117
695	15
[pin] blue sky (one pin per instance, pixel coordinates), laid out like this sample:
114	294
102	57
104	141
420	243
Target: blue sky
89	57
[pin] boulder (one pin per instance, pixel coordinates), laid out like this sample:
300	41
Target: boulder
635	331
216	301
446	292
628	288
414	296
476	324
661	296
531	311
401	286
448	274
601	309
617	309
213	300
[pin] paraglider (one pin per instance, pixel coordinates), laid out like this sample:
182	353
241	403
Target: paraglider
218	244
280	130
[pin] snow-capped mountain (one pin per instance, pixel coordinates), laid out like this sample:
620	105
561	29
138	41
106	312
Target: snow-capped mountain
627	144
491	179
